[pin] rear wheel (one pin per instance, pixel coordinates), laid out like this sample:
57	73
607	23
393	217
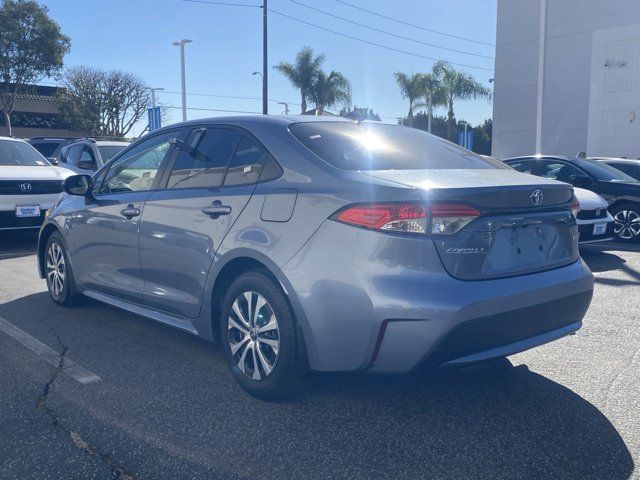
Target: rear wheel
259	339
627	222
58	272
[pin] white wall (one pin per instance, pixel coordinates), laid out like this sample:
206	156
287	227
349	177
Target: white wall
571	26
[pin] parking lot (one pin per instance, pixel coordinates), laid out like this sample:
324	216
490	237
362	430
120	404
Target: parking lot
142	400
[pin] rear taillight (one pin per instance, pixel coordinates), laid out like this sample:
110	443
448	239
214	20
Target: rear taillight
448	218
575	206
393	217
439	219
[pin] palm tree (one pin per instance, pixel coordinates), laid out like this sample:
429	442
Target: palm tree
302	74
459	86
434	95
330	90
411	87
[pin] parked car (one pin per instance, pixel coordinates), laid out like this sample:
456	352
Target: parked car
621	191
595	223
626	165
29	185
327	243
87	155
50	147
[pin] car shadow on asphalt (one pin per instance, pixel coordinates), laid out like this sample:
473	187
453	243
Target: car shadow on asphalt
599	260
14	244
487	421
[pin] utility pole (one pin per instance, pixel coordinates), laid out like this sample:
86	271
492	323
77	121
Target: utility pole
181	44
265	67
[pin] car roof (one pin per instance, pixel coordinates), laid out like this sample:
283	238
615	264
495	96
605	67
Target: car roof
111	143
247	120
616	159
13	139
540	157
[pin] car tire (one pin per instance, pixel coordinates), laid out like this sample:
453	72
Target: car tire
58	273
259	338
627	222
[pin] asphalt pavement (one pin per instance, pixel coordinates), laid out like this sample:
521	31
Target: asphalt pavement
161	403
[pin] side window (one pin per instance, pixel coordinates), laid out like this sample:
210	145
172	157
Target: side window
137	169
73	154
97	180
206	165
559	170
524	166
87	155
247	162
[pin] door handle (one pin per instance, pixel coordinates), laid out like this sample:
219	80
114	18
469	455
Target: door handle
216	209
130	212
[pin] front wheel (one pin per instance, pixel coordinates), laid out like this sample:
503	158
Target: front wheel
58	274
259	338
627	222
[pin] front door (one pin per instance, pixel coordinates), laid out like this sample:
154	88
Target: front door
105	232
183	224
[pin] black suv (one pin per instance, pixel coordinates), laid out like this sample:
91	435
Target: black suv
616	187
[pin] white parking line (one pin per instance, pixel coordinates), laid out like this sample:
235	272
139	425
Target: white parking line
49	355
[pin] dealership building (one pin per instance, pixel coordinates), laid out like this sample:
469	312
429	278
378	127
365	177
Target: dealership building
567	78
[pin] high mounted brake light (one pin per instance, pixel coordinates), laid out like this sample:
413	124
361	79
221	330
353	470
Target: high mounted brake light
439	219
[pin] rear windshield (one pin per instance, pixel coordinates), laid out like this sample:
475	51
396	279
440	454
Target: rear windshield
13	153
47	149
604	172
107	152
366	146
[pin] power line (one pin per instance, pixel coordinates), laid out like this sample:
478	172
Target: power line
374	43
212	110
415	26
464	52
227	96
226	4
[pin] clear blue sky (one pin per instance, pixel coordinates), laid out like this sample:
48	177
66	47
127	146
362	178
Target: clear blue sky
136	35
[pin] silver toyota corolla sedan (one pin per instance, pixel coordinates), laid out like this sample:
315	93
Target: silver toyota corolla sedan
303	242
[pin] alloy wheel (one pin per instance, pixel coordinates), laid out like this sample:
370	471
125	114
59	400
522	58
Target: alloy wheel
56	269
254	336
627	224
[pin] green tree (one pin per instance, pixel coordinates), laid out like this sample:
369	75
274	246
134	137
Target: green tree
100	102
302	73
459	86
32	47
434	92
411	88
330	90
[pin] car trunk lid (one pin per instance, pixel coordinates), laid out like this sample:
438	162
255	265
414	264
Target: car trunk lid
525	223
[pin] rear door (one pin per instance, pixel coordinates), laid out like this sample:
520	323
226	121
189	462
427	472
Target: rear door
205	188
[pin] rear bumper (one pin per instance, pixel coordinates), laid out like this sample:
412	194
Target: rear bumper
385	304
585	228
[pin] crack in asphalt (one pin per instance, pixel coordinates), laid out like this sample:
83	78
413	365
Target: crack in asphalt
117	471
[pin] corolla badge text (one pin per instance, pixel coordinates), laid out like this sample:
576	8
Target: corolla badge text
466	251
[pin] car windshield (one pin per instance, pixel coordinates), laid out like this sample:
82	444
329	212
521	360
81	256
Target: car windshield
107	152
367	146
15	153
604	172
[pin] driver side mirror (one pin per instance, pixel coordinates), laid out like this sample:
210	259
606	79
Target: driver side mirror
53	160
80	185
580	180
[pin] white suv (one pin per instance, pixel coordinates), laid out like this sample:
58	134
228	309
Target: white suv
29	185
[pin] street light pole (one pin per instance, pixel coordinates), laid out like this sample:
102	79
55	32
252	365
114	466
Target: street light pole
181	44
265	68
286	107
153	91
